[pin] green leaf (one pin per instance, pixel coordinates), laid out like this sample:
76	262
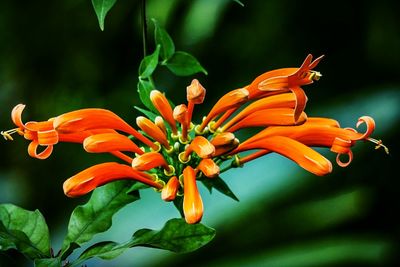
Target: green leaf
101	7
50	262
164	40
176	236
220	185
184	64
144	88
149	64
24	230
239	2
148	114
134	189
96	215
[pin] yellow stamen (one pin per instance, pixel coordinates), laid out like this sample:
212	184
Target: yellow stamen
7	134
379	144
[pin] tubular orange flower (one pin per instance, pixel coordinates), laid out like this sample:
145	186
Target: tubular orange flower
97	175
180	115
286	100
269	117
161	103
201	146
231	100
209	168
152	130
170	190
109	142
275	101
192	203
94	118
149	161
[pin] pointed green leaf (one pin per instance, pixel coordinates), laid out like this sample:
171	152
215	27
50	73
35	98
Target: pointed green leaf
51	262
220	185
96	215
149	64
101	7
144	88
164	40
148	114
24	230
176	236
184	64
134	189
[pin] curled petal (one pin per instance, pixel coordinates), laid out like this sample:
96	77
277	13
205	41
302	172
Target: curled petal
32	151
161	103
304	156
209	168
109	142
341	146
195	92
149	161
269	117
301	101
170	190
16	115
315	62
152	130
48	137
344	164
192	202
370	126
97	175
201	146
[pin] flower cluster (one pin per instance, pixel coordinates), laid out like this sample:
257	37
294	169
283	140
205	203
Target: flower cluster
170	152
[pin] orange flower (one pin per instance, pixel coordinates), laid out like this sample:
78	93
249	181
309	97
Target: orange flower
223	143
170	190
233	99
269	117
180	115
201	146
192	203
109	142
161	103
97	175
93	118
152	130
209	168
149	161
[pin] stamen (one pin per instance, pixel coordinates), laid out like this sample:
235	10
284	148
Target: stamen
7	134
379	144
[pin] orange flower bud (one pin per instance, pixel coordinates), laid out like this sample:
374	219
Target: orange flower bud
161	103
192	203
148	161
170	190
209	168
195	92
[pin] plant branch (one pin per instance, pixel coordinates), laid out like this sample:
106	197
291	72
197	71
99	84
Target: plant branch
144	27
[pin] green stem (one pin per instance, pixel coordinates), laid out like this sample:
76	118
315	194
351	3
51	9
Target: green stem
144	27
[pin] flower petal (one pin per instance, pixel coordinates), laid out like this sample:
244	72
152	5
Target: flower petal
16	115
32	150
170	190
152	130
109	142
192	202
97	175
201	146
148	161
209	168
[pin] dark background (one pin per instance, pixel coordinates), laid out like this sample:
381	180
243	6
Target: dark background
54	58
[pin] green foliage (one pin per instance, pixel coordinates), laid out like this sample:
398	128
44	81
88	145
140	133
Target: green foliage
176	236
219	185
164	40
51	262
184	64
25	231
96	215
101	7
144	88
149	64
148	114
239	2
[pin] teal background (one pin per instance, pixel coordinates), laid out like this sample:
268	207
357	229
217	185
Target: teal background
54	58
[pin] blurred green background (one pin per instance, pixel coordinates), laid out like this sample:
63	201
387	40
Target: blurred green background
54	58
